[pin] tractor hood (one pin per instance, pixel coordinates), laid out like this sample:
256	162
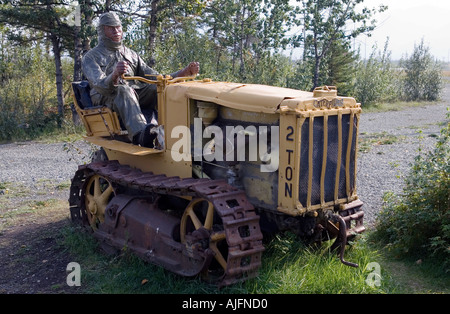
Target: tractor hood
259	98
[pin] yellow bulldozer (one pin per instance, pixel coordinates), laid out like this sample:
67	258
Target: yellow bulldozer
231	164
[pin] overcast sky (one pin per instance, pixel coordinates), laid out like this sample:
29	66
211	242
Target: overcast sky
406	22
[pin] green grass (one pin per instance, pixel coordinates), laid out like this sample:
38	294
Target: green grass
417	275
48	133
27	210
291	267
68	133
368	140
288	267
396	106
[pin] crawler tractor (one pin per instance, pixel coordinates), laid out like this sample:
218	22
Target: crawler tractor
230	163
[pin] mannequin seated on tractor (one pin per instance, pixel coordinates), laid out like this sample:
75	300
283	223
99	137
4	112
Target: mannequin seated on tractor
104	65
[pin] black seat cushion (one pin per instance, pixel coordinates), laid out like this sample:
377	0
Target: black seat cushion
82	94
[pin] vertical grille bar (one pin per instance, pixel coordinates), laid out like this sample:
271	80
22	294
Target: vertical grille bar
310	161
339	158
324	159
347	159
356	152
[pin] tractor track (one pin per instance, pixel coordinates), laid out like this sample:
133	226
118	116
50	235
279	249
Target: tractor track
243	257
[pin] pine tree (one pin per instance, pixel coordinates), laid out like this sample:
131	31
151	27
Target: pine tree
340	67
326	21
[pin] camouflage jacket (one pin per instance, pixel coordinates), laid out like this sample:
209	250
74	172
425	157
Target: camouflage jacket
98	65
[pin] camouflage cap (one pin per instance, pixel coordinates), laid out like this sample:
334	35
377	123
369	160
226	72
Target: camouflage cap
110	19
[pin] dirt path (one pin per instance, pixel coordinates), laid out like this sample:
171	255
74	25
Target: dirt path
33	211
32	257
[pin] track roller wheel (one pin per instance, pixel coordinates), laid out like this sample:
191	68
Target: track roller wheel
201	226
98	191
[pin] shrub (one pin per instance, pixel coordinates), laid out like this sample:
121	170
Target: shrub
28	104
376	79
417	223
423	75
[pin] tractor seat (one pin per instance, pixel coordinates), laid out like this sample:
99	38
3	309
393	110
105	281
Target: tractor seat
98	120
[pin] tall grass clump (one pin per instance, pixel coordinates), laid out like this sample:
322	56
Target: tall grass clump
416	223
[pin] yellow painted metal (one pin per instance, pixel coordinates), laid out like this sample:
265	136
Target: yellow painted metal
243	102
339	158
347	159
215	237
325	91
161	163
324	159
98	193
99	121
289	164
178	114
356	153
310	161
246	97
301	110
123	147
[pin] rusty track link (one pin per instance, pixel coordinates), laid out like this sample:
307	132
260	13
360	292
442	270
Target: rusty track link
240	221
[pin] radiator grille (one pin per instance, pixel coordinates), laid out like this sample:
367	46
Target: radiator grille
327	159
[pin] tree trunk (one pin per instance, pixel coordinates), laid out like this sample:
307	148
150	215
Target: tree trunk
77	73
317	60
241	46
78	49
59	76
87	14
152	32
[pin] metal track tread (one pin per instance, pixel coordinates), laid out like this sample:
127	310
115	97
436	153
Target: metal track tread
240	221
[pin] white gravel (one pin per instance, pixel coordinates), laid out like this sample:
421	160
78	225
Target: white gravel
41	167
37	171
384	167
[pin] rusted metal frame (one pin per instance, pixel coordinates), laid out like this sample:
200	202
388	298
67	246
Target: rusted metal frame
341	241
352	212
241	247
244	253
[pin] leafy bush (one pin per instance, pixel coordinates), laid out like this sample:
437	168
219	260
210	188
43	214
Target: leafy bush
28	105
376	79
423	75
417	223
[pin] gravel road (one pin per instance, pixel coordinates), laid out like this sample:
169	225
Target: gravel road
42	168
383	167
